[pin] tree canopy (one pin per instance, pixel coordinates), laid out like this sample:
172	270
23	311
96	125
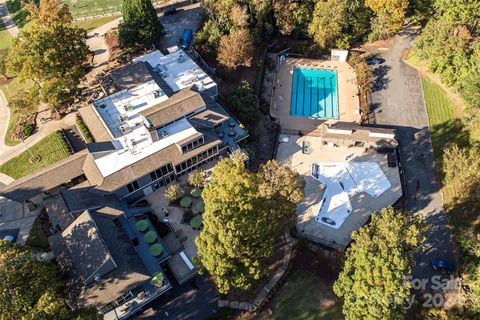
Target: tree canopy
236	49
372	282
389	17
29	288
240	221
51	52
140	24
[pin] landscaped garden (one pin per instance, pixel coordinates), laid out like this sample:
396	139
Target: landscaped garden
47	151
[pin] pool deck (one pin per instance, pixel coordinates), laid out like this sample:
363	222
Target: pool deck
348	100
290	154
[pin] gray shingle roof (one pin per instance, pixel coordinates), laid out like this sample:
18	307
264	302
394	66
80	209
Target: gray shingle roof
180	104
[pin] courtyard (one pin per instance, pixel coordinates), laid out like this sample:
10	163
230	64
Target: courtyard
345	91
290	153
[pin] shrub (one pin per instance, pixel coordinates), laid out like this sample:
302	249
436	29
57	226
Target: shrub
195	179
27	129
83	128
173	193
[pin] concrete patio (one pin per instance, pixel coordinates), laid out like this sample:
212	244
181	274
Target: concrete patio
290	153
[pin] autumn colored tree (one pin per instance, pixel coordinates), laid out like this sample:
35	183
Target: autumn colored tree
236	49
389	17
329	19
196	179
372	282
51	51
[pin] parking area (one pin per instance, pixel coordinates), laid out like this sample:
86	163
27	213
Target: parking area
186	17
290	153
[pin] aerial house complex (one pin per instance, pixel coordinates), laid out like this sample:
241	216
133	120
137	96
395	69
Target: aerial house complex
157	121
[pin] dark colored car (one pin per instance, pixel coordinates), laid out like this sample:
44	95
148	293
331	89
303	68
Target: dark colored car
375	60
169	11
329	221
442	265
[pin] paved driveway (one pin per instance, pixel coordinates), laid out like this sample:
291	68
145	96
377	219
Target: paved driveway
398	102
187	17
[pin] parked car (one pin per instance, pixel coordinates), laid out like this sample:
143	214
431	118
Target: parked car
186	39
375	60
9	238
442	265
169	11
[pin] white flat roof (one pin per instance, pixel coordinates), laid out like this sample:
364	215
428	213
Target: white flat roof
178	75
343	180
134	143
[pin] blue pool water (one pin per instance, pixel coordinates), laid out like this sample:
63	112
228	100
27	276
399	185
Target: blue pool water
314	93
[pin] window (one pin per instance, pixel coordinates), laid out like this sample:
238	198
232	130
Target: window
178	168
195	143
184	166
164	170
153	176
189	162
117	223
201	141
184	149
132	186
169	167
194	160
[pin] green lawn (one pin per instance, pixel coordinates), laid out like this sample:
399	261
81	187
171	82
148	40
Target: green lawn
83	8
11	89
5	37
91	24
51	149
444	117
305	296
36	238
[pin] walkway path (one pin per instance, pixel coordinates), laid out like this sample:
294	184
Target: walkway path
42	131
7	19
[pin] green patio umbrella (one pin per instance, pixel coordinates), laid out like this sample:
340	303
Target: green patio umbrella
196	192
186	202
150	236
200	206
157	279
196	221
141	225
156	249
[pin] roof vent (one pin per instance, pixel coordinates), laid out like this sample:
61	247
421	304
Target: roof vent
182	58
157	93
98	278
164	133
128	107
122	117
124	128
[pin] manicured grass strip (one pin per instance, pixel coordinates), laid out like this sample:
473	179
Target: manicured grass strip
84	8
91	24
36	238
51	149
5	37
83	128
305	296
444	118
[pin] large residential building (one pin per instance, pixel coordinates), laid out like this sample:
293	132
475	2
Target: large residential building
156	121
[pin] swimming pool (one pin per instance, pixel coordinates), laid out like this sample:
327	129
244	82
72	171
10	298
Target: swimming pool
314	93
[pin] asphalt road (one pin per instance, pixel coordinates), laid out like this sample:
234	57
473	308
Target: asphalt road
397	100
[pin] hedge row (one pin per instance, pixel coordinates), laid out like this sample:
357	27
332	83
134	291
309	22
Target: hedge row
83	128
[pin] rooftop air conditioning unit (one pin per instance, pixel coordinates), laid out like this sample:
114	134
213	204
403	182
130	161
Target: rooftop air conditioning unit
164	134
128	107
124	128
182	58
122	117
157	93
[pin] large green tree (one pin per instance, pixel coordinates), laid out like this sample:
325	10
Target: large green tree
50	51
327	22
244	103
140	24
241	220
372	282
